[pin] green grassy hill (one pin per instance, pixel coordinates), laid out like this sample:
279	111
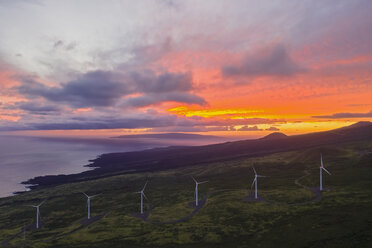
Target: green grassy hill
342	218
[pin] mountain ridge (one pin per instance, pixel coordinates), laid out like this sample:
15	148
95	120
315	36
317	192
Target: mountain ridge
275	135
158	159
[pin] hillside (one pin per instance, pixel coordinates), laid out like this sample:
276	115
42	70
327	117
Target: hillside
177	157
290	205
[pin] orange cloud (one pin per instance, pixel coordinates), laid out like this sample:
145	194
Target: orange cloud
79	110
9	118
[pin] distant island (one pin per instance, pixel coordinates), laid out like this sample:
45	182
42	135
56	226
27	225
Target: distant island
168	136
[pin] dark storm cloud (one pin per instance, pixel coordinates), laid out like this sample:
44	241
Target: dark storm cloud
345	115
276	61
107	88
97	88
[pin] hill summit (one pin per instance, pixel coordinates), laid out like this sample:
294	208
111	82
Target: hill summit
275	135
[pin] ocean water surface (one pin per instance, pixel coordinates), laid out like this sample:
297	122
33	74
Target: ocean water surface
23	157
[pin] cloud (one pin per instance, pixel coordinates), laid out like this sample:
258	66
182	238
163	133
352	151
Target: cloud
6	3
131	121
170	3
150	99
273	61
35	107
61	44
193	129
272	129
345	115
98	88
247	128
149	82
236	122
58	43
107	88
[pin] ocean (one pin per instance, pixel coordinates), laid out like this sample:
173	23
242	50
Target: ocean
25	157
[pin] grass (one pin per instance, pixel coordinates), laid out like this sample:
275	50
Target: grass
341	219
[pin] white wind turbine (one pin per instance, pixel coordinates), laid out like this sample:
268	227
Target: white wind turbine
88	202
142	195
255	182
321	168
196	190
37	212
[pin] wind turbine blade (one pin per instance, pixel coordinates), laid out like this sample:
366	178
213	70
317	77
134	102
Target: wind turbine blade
254	170
85	194
144	195
194	179
145	186
95	195
321	161
326	171
41	203
203	182
138	192
261	176
31	206
253	182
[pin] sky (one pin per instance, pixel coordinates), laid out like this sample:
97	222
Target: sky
229	68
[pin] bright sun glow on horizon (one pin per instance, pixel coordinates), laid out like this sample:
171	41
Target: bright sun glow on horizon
228	68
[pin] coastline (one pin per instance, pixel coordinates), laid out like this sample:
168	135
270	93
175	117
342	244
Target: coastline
173	157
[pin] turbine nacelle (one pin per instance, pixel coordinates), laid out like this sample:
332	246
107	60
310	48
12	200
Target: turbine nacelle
196	182
36	206
90	196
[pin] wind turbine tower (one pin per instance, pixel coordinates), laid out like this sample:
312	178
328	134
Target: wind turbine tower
37	213
142	196
255	182
321	168
196	190
88	202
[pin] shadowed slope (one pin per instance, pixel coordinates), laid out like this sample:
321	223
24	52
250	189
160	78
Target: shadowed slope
176	157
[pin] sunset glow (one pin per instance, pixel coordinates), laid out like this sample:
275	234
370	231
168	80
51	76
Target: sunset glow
235	69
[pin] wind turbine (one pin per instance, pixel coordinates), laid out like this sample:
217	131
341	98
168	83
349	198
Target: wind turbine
196	190
142	195
255	182
88	202
37	212
321	168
